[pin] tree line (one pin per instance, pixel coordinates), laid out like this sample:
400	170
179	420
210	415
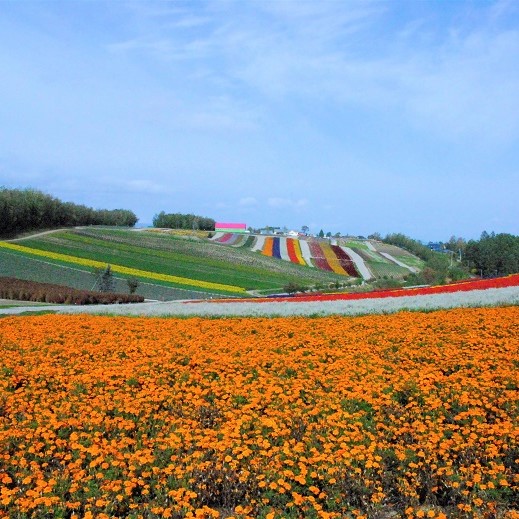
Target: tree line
438	268
492	255
29	209
183	221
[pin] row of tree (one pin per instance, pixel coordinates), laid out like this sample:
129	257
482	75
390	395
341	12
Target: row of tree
28	209
183	221
438	268
492	255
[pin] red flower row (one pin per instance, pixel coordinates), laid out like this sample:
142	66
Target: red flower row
461	286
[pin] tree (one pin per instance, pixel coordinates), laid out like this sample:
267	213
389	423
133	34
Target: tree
321	234
437	264
494	254
305	229
456	245
133	284
292	287
28	209
183	221
106	281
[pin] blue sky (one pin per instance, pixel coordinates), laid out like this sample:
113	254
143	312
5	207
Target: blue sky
347	116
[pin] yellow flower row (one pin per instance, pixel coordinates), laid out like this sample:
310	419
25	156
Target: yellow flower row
122	269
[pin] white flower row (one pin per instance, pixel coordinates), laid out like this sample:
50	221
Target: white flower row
474	298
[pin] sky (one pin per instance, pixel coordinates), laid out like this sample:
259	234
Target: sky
348	116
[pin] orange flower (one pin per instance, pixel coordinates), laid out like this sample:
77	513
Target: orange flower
283	414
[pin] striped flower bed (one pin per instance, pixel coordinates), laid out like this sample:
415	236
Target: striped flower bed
234	239
294	251
258	246
360	265
321	255
305	252
283	249
345	261
331	258
268	247
276	251
249	242
225	238
318	257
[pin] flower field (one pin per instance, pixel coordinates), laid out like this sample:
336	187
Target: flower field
347	258
460	286
162	258
20	289
13	264
406	415
120	269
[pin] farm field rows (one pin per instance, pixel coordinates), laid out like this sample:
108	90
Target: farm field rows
17	265
175	261
461	286
406	415
329	256
88	259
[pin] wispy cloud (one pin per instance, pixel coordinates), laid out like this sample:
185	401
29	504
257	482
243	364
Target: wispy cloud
457	80
258	104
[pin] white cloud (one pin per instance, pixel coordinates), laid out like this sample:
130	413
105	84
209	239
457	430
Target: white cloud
455	78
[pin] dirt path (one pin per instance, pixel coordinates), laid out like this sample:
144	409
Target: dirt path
30	236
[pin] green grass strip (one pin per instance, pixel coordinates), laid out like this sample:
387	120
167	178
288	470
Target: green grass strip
123	270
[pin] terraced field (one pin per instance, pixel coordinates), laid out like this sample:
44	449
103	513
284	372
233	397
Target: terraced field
155	258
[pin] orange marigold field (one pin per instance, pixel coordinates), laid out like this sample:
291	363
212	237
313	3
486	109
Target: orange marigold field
404	415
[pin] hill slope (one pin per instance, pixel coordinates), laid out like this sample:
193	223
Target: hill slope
169	264
366	259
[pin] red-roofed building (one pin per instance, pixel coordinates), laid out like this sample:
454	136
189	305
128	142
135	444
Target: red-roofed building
230	227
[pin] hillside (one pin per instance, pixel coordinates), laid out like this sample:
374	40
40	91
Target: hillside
173	265
167	266
366	259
